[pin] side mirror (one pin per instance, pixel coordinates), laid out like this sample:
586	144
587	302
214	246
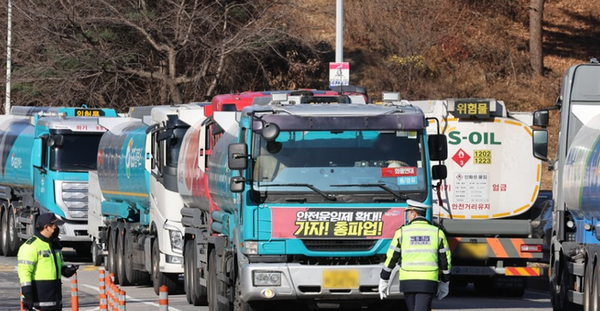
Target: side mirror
36	157
270	131
541	118
439	172
238	157
438	147
55	140
540	144
236	184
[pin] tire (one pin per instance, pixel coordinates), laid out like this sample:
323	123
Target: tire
14	242
595	302
187	272
2	208
5	247
198	293
588	286
134	276
214	284
561	301
111	259
120	257
241	305
159	278
96	257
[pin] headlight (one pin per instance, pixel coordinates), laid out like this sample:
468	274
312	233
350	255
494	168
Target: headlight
264	278
176	241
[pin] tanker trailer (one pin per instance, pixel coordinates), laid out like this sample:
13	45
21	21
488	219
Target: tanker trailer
137	175
575	243
493	181
45	156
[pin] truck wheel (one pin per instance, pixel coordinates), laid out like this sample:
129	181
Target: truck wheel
187	271
198	292
4	246
241	305
159	278
561	300
120	256
14	242
596	281
112	260
588	285
96	251
214	285
133	275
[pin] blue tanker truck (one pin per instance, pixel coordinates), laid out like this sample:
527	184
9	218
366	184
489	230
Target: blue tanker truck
45	156
575	243
137	189
296	203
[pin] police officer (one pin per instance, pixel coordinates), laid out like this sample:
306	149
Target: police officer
421	250
40	265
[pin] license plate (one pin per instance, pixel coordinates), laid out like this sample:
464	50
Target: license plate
336	279
473	250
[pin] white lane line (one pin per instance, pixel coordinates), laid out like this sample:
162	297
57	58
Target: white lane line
129	298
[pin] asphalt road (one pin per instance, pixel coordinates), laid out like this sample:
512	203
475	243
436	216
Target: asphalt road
142	298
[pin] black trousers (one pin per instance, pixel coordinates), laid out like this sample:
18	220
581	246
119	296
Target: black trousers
418	301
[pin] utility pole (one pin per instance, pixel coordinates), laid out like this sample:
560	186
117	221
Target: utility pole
339	31
8	55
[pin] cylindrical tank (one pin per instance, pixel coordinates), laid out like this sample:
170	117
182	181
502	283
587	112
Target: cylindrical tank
16	143
581	179
219	174
121	171
191	174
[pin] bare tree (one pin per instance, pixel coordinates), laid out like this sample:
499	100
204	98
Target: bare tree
122	53
536	17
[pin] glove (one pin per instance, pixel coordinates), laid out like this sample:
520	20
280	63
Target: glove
69	271
443	290
27	297
384	288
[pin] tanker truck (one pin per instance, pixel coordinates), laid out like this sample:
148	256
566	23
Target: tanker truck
575	243
139	202
483	205
290	204
45	156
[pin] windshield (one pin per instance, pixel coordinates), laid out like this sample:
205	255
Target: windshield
340	162
77	153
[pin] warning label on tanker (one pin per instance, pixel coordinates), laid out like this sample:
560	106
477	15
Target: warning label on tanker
482	156
471	188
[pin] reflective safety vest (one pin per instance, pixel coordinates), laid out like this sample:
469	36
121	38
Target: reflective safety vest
420	243
40	267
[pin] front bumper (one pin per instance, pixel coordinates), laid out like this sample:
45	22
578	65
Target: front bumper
73	232
306	282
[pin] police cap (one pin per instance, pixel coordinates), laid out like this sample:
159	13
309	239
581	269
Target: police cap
417	206
47	219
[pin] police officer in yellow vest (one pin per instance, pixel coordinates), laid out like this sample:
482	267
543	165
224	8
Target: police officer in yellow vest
421	250
40	265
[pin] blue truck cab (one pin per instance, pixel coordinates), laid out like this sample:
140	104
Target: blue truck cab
47	153
308	196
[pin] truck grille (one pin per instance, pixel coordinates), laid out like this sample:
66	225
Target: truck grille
339	245
75	197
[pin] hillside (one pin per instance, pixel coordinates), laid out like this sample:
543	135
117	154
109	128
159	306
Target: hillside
461	49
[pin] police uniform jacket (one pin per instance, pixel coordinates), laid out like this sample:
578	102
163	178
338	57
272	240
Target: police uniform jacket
421	250
40	266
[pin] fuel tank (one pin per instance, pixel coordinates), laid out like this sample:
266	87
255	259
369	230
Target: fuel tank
121	164
581	179
16	143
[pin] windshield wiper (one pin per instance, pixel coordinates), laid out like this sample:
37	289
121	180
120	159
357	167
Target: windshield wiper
401	196
327	196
